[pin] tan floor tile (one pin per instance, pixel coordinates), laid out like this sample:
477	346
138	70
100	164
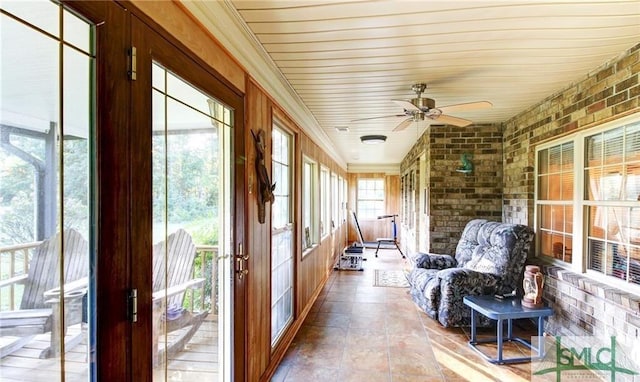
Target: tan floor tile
321	334
336	307
375	358
312	374
409	340
369	308
366	337
340	296
318	355
331	319
414	378
413	361
396	325
369	297
357	332
435	329
353	375
372	322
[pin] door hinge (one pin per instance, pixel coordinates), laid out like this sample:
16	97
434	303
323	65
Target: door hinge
132	63
241	260
133	305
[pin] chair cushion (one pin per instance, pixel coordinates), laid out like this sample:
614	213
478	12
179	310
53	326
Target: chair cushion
468	241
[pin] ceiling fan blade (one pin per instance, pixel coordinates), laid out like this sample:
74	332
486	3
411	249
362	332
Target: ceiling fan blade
406	104
466	106
455	121
403	125
380	117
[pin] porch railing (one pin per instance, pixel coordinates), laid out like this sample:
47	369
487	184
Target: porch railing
14	268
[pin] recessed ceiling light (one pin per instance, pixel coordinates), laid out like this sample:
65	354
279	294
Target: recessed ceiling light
342	129
373	139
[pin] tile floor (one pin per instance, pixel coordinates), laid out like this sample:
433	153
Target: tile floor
360	332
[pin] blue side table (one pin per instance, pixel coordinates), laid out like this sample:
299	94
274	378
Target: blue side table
500	310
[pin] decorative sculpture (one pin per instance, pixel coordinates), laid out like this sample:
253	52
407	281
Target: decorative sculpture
265	188
466	164
532	284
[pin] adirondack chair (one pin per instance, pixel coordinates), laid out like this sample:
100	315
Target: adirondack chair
172	276
40	304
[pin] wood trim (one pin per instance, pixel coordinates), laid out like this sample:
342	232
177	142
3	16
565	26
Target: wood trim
111	194
182	26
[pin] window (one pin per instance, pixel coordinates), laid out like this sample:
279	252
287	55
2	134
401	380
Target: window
370	203
335	204
309	218
605	222
555	200
48	179
342	213
281	235
325	199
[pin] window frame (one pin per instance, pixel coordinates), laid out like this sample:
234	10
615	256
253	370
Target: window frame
581	204
335	197
361	216
310	193
325	202
280	230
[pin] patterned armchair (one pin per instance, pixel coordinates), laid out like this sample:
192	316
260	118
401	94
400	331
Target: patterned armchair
489	259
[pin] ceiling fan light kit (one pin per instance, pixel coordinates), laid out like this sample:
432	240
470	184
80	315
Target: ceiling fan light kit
373	139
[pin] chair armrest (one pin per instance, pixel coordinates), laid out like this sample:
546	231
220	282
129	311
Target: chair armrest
469	282
13	280
434	261
163	293
72	290
457	283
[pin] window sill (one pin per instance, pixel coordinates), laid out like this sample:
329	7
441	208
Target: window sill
626	299
307	251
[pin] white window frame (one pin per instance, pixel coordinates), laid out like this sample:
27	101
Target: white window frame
579	262
282	267
335	205
363	216
342	213
310	216
325	202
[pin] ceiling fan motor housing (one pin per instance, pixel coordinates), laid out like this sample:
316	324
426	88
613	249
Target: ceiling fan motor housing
424	104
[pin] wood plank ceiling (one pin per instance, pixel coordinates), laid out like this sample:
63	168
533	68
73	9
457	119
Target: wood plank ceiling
346	60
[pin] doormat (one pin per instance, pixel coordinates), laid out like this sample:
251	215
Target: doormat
390	278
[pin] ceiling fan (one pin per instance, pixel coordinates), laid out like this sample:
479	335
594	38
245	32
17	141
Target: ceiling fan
417	109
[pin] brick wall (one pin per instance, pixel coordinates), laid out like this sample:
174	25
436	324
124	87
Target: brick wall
609	91
454	197
582	306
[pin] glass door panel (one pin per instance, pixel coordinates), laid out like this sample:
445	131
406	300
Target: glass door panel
46	129
282	234
191	231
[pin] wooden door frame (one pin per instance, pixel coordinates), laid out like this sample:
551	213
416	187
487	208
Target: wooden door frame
123	207
152	45
110	195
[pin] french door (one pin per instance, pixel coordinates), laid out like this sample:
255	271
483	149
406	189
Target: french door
136	144
184	123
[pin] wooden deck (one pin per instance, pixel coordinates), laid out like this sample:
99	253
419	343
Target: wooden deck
198	361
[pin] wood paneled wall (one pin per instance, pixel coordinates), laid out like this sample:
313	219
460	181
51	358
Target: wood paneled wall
373	229
260	110
312	271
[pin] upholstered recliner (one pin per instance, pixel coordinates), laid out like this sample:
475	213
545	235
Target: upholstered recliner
489	260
